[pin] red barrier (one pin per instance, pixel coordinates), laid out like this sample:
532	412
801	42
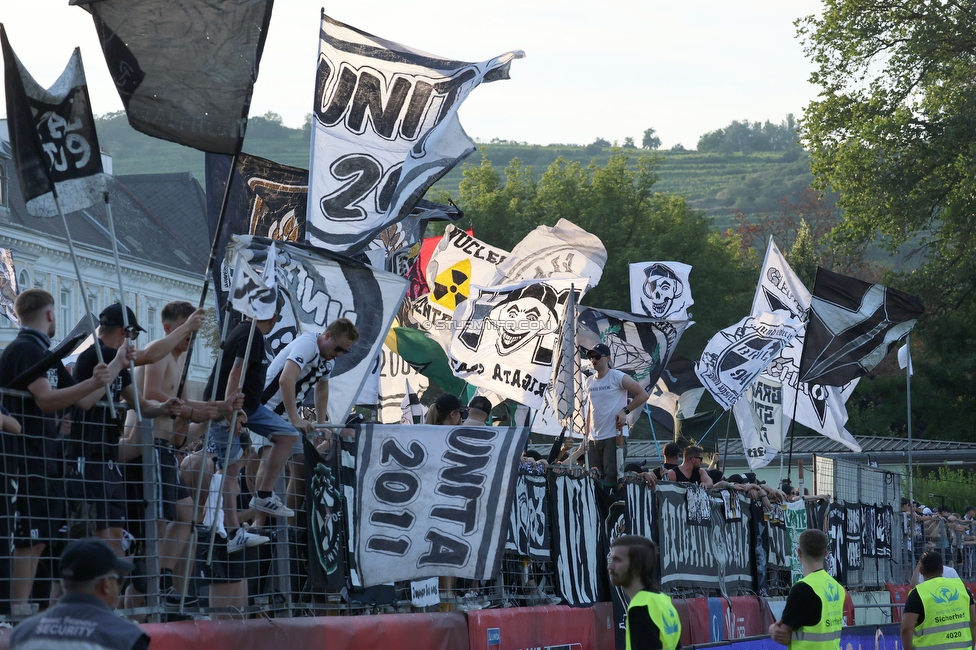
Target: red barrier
696	628
899	594
750	616
684	615
848	609
707	620
386	631
603	626
537	627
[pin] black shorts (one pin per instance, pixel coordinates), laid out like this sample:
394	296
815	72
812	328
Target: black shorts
104	488
171	488
37	505
225	568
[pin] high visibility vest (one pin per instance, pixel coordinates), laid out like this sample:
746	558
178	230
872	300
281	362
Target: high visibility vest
945	602
825	635
662	613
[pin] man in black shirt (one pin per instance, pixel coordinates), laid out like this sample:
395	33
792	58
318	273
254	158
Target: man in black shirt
95	435
35	502
671	452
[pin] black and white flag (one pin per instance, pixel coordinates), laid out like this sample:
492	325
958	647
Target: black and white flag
252	294
459	262
640	346
384	129
52	133
561	251
319	287
327	524
504	340
640	508
185	69
734	357
816	406
578	565
759	417
853	325
528	530
661	290
8	286
433	500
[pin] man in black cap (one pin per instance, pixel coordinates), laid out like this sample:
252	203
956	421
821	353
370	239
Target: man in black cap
479	410
91	577
607	409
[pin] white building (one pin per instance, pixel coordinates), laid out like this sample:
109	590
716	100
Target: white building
163	241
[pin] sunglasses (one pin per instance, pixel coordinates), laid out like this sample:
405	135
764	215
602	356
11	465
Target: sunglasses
594	357
464	413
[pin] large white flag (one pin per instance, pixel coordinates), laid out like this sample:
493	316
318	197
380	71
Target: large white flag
253	294
458	262
820	408
567	380
660	289
562	251
735	356
504	339
384	129
759	416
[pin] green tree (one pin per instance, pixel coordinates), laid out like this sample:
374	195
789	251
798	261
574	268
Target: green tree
803	258
651	141
893	132
629	143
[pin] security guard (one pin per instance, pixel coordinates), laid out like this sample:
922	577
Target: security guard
814	611
652	621
940	612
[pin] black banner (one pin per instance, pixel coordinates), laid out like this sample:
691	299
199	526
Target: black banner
575	538
882	533
528	531
324	510
853	545
836	561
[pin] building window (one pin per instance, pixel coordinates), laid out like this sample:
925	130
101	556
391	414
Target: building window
3	186
65	317
151	318
23	280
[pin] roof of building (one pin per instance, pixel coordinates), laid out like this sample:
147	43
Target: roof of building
159	218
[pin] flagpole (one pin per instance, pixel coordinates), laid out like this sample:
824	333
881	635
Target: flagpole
908	395
125	313
81	289
206	274
789	464
728	429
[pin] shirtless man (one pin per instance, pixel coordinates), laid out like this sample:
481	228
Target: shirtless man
159	381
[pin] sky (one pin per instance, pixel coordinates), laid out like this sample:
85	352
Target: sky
611	71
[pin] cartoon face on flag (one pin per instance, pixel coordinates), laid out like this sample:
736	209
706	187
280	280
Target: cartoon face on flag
504	339
316	288
660	289
639	346
52	133
460	261
562	251
735	356
384	129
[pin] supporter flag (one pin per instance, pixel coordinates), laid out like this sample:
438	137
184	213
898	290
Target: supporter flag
460	261
52	133
255	295
504	338
821	408
567	379
639	346
384	129
853	325
759	416
412	410
184	69
8	286
679	377
660	289
440	510
400	243
562	251
317	287
324	512
735	356
426	356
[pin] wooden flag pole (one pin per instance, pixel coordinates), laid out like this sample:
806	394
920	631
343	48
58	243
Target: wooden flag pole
81	288
125	312
206	273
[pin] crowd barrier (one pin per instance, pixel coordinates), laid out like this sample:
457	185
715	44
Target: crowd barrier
860	637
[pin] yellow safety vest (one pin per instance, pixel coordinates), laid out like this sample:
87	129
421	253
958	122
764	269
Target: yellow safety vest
825	635
946	624
662	613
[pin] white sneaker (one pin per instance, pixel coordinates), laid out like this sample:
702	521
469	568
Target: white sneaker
245	539
272	505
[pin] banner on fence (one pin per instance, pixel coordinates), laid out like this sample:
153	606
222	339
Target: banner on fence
575	538
430	500
326	522
528	530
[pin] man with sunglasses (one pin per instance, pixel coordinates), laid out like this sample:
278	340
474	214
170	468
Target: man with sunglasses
91	577
607	409
302	365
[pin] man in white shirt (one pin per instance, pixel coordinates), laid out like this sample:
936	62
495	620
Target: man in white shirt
607	409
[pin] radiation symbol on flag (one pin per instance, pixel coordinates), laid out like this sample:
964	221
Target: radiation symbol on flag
452	286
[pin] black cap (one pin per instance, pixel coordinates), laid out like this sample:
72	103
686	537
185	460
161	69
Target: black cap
599	349
111	316
87	559
481	403
447	403
635	467
737	478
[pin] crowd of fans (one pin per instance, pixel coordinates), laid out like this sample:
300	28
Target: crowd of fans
952	534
